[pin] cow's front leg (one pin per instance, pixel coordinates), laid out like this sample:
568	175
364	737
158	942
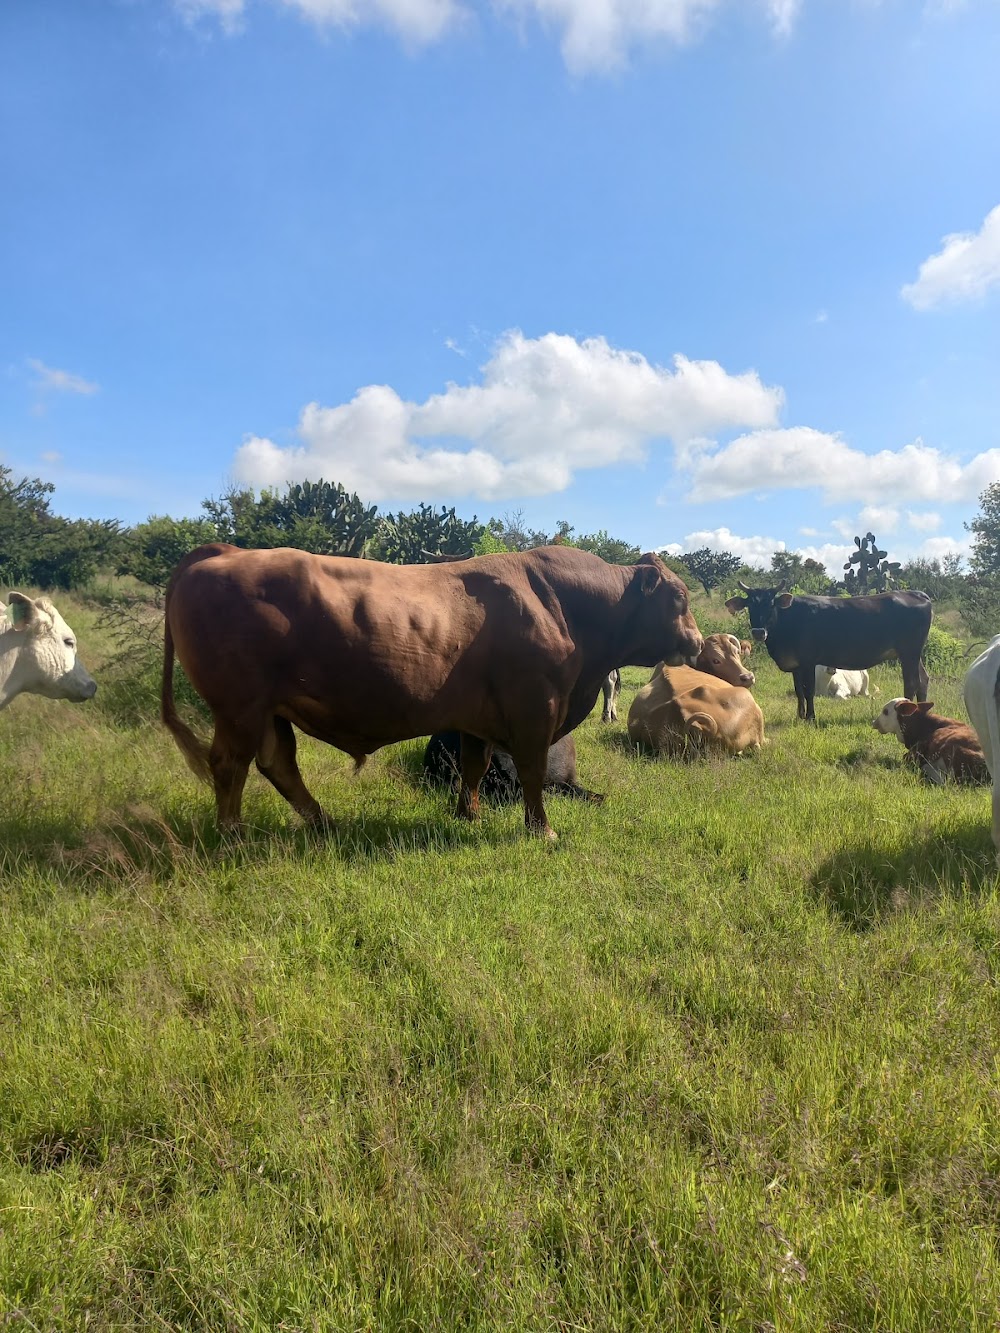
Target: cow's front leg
996	819
531	771
276	761
475	760
803	699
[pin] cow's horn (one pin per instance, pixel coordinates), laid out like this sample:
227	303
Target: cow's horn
741	584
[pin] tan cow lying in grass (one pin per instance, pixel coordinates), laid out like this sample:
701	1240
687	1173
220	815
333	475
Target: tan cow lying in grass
941	747
682	708
38	653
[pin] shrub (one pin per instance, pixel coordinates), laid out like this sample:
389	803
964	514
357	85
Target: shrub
943	654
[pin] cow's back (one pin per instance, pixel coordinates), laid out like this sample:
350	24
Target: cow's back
853	633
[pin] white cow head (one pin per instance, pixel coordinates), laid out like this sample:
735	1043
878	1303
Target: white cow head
38	653
887	722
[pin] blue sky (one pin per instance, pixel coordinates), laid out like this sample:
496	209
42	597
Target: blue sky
696	272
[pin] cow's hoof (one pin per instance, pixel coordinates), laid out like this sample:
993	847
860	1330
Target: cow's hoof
544	832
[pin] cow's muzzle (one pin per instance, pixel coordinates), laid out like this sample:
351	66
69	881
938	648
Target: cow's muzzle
759	634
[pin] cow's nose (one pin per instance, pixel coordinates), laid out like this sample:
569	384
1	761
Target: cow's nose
747	679
759	634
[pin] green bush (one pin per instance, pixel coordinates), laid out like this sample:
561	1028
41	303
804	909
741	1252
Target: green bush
943	654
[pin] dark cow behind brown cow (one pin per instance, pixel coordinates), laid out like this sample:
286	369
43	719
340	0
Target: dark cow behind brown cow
508	649
442	767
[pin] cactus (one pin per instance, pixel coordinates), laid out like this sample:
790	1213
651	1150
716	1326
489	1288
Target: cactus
874	572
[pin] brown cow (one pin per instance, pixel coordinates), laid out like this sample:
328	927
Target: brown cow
746	647
941	747
509	649
719	656
682	708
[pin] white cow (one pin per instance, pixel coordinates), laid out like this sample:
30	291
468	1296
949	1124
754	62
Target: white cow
38	653
835	683
981	703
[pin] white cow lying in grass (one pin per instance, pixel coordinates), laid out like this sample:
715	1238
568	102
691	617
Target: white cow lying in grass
835	683
38	653
981	703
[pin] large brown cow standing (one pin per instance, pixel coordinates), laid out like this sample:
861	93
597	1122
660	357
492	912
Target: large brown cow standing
510	650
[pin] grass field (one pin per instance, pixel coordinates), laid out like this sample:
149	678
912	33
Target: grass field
725	1057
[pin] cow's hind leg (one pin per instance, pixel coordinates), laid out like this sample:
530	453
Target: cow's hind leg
229	760
475	761
915	678
804	679
276	761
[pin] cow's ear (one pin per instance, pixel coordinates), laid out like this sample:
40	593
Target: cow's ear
924	707
649	572
736	604
21	609
784	601
905	707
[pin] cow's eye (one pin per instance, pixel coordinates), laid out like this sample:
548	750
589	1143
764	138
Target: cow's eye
69	643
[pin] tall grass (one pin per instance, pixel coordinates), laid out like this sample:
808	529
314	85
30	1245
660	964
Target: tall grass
725	1057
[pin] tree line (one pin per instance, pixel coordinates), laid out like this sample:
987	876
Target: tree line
40	548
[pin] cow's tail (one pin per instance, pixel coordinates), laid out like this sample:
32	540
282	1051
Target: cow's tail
194	750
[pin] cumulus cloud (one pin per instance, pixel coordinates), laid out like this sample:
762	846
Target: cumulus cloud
417	21
59	381
594	35
936	548
964	269
544	408
801	458
754	550
924	522
229	13
757	550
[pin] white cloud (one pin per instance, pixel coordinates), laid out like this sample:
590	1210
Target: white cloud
783	15
800	458
228	12
831	554
878	518
544	408
935	548
925	522
59	381
965	268
417	21
757	550
594	35
754	550
808	532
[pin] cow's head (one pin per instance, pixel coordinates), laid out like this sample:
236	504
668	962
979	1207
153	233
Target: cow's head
38	654
663	628
720	656
890	721
763	606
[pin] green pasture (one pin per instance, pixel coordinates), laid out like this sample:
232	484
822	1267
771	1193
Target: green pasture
725	1057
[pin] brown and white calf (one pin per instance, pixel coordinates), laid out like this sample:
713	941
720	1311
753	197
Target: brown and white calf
940	746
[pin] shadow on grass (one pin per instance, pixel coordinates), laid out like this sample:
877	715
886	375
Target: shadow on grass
868	882
865	758
134	845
